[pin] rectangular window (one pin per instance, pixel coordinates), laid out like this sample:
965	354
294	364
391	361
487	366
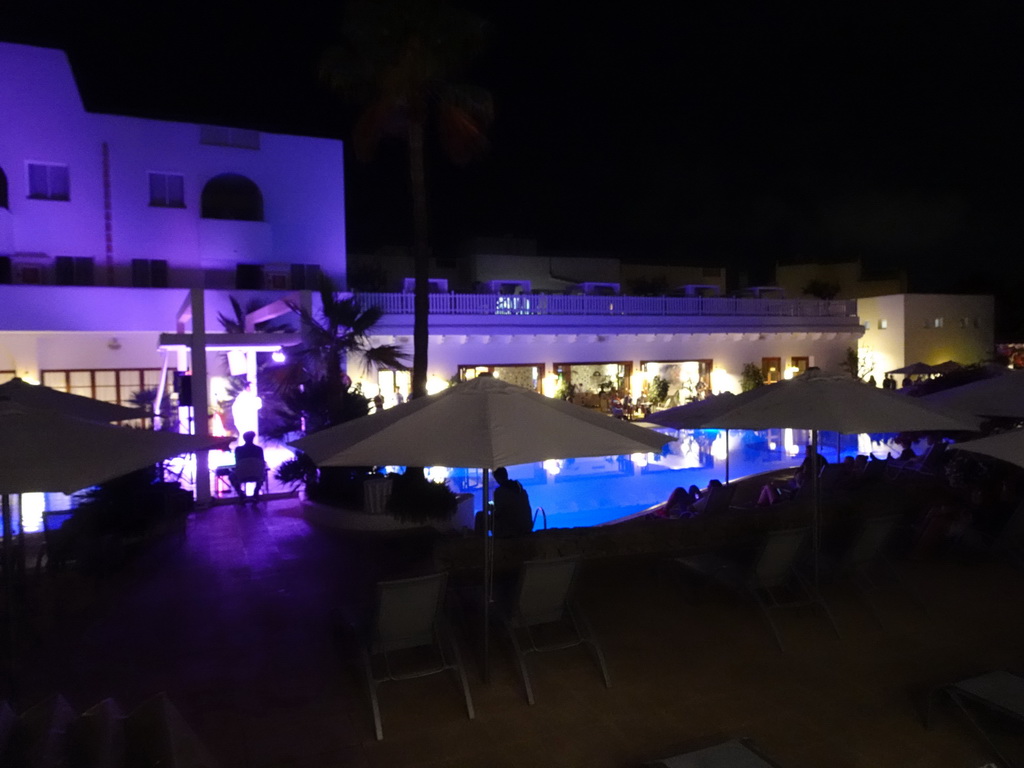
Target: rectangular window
73	270
6	273
305	277
47	181
771	368
800	363
149	273
218	136
166	190
937	323
249	277
112	385
883	324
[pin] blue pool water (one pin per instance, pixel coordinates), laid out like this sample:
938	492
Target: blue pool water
598	490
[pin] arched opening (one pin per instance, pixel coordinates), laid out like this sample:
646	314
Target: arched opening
3	189
230	196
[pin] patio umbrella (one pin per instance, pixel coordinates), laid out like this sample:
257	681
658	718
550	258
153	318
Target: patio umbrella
1006	446
45	451
999	396
947	367
482	424
21	392
914	369
818	401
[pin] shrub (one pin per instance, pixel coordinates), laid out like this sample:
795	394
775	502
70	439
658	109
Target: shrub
414	499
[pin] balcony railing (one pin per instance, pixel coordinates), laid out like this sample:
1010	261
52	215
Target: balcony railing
552	304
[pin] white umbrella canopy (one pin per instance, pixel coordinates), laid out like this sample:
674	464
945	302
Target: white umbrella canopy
44	451
482	423
1006	446
1000	396
836	403
20	392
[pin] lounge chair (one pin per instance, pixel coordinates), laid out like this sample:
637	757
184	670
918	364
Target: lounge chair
717	501
928	465
866	555
1000	693
544	596
410	615
735	753
771	580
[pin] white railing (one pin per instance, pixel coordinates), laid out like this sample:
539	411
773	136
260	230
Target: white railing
552	304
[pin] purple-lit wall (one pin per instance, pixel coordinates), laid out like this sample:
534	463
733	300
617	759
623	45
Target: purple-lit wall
300	178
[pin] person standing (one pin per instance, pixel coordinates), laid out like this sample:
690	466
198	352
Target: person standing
513	515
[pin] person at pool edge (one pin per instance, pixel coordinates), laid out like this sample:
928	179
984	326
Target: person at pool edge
512	515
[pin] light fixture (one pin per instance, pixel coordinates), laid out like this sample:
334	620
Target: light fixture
113	343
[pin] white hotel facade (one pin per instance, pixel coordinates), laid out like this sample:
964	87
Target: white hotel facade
121	239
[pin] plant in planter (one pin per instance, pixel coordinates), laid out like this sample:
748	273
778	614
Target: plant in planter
414	499
658	391
752	377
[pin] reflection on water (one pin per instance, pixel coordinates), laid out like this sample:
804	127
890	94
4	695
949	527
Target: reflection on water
596	490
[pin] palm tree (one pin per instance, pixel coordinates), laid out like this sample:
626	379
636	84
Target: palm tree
339	329
395	62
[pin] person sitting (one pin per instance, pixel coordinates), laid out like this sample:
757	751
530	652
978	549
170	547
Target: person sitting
680	501
250	466
701	504
781	490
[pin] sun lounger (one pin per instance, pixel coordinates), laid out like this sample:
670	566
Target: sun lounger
998	692
772	580
545	597
410	615
734	753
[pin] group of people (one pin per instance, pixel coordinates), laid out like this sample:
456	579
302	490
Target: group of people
687	502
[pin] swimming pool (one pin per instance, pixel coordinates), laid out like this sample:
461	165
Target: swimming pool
603	489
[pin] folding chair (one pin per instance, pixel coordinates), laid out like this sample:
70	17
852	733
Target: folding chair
250	470
410	615
545	596
735	753
999	692
772	581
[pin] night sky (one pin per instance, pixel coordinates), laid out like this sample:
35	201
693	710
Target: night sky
731	133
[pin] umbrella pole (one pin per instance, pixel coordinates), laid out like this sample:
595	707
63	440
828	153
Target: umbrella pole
815	520
488	577
8	561
726	456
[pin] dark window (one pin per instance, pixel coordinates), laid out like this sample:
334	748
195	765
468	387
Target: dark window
249	277
230	196
3	189
305	277
149	273
6	275
218	136
73	270
48	182
166	190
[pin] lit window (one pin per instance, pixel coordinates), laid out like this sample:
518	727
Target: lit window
47	181
883	324
166	190
937	322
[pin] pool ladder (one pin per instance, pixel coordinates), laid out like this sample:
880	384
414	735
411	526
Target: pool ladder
539	512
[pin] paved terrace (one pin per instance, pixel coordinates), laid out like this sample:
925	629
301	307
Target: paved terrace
237	624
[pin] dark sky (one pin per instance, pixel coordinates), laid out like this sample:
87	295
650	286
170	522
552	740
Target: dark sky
731	133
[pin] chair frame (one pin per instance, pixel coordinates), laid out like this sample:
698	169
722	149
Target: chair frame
429	629
773	570
524	613
961	694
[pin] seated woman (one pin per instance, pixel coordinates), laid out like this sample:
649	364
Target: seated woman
780	490
680	501
701	504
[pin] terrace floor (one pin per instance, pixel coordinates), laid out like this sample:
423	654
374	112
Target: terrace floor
238	624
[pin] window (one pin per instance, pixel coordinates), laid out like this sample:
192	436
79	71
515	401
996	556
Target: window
217	136
73	270
6	273
305	277
230	196
771	369
800	363
47	181
249	277
3	189
937	322
112	385
149	273
883	324
166	190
